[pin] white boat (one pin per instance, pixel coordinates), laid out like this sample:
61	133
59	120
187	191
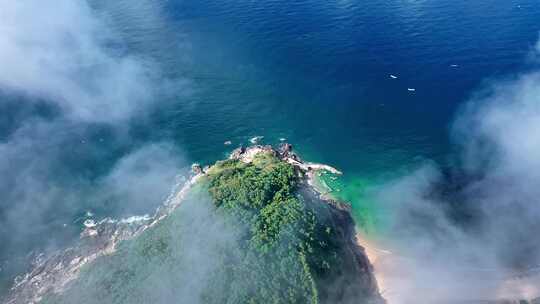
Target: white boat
411	89
393	76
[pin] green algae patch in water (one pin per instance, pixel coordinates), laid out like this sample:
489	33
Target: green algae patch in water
353	191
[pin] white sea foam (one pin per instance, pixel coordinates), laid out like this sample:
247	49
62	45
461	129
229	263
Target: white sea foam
256	139
135	219
89	223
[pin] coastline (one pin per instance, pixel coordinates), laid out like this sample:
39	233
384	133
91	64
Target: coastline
53	274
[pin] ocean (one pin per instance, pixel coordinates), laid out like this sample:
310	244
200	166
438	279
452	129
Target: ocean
369	87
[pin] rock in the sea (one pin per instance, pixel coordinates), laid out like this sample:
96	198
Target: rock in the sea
196	168
237	153
285	149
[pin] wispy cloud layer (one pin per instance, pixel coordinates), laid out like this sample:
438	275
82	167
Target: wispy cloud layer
59	52
466	232
71	149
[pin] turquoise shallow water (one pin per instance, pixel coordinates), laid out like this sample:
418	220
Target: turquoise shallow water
314	72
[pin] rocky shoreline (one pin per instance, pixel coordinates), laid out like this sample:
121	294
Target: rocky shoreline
286	154
54	273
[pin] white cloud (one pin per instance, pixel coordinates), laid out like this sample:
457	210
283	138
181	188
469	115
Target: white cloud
57	51
62	52
496	184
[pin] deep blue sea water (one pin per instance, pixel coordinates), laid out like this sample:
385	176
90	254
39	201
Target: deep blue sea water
314	72
317	73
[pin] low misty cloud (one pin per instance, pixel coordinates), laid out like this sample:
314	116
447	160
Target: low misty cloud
470	232
138	179
181	259
59	52
69	91
36	203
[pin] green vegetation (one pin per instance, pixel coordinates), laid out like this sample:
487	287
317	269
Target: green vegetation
293	250
280	230
247	233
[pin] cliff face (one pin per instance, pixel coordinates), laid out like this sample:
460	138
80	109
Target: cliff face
354	280
252	229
